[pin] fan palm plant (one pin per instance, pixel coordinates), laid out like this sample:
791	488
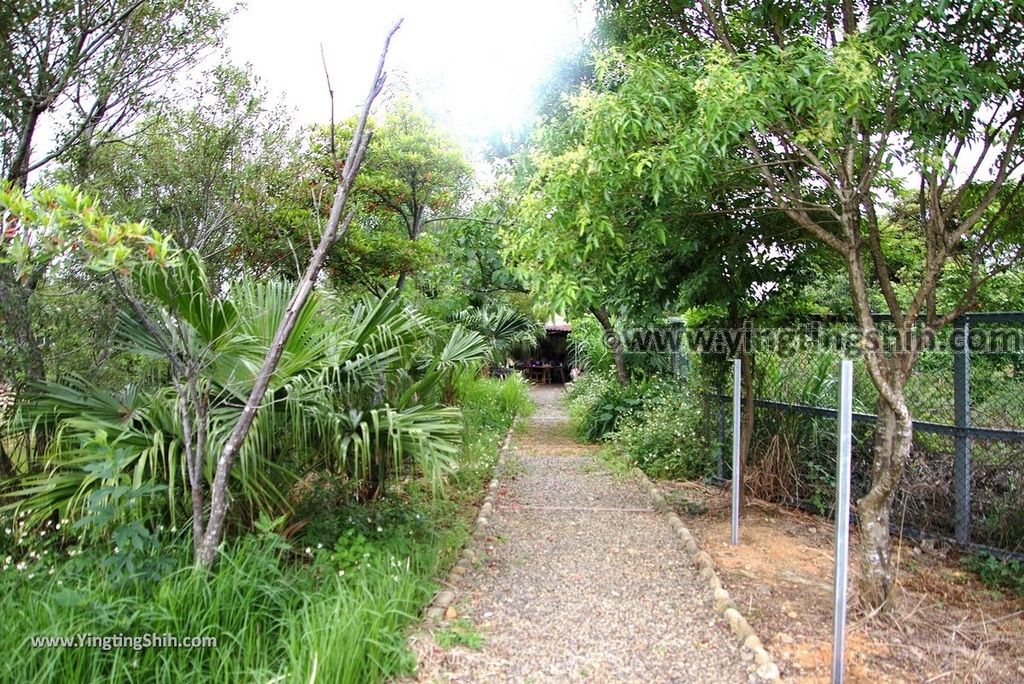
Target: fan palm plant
352	393
505	329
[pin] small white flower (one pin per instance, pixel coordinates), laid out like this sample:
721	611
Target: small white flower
309	551
117	549
319	546
341	573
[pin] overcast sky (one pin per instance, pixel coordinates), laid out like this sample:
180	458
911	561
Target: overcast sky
475	64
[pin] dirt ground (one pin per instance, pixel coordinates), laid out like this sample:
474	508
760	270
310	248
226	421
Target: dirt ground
946	627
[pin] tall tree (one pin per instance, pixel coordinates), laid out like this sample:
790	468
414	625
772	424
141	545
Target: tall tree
839	106
218	172
57	221
588	236
416	173
90	65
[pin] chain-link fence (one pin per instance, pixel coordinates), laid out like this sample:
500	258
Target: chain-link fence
965	476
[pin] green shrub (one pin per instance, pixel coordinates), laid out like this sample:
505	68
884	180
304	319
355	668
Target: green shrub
997	573
664	436
597	401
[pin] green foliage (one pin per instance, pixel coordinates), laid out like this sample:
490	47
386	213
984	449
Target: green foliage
412	166
665	437
218	172
414	178
655	423
331	605
472	271
271	618
997	573
489	406
587	348
94	67
53	221
344	396
597	401
506	330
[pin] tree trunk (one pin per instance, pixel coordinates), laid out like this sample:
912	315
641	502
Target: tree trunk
17	173
612	339
891	449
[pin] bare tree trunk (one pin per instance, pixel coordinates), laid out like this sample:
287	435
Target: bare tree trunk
336	226
891	450
18	172
621	370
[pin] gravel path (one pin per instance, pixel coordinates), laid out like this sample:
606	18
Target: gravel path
582	580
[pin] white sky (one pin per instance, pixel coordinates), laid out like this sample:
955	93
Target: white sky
474	65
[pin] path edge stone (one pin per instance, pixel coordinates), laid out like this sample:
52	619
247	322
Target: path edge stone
436	611
767	670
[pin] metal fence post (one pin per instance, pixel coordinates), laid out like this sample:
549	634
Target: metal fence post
842	519
736	484
962	421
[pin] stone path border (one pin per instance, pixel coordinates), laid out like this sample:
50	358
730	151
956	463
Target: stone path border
766	667
438	608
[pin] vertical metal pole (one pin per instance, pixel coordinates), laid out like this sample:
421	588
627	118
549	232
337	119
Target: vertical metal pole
842	519
736	383
962	420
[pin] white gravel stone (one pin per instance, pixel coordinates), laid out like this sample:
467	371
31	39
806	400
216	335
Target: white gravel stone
589	583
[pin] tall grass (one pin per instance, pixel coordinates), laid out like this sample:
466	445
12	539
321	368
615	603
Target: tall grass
273	621
332	608
488	408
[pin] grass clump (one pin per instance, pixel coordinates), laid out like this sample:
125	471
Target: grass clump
459	633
